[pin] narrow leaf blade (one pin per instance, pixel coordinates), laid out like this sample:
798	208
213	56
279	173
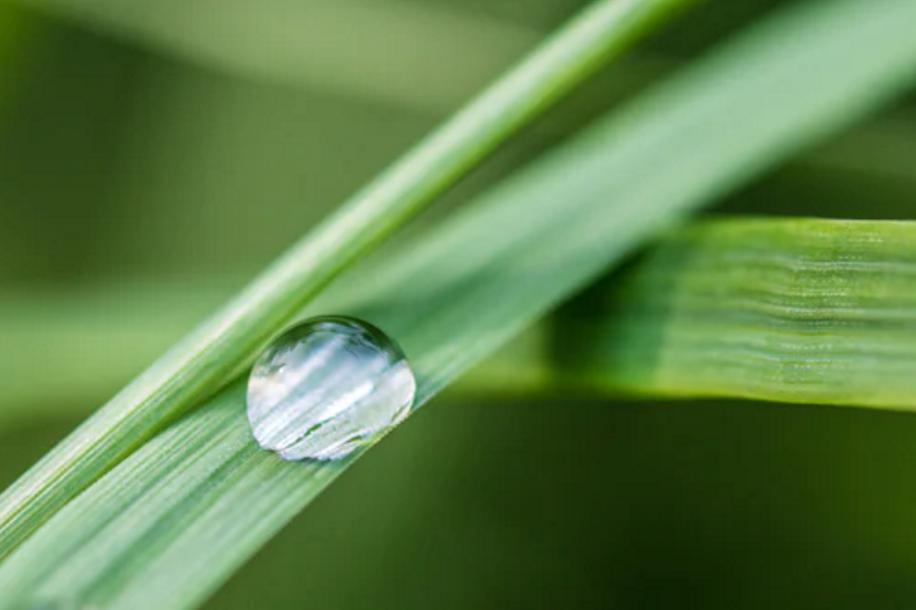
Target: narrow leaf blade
207	359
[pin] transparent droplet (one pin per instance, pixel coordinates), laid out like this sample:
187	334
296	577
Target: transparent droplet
326	387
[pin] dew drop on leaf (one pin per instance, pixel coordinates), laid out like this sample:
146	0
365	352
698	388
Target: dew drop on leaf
326	387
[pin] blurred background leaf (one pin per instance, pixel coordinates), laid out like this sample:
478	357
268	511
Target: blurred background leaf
794	310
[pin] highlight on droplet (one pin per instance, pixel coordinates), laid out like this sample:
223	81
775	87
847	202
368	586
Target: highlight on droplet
326	387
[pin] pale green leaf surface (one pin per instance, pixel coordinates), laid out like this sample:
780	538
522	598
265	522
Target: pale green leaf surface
91	348
93	336
803	310
797	310
175	518
222	346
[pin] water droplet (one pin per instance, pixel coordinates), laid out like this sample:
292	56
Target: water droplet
326	387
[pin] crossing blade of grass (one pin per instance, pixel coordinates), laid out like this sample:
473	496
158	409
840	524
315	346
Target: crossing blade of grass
798	310
206	359
173	519
111	347
802	310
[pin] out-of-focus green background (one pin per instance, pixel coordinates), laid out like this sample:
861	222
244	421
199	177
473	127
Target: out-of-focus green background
147	172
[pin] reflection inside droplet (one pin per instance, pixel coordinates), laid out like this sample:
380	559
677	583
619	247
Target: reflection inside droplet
326	387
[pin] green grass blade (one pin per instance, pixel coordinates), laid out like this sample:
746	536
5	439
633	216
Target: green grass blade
801	310
811	311
204	361
110	347
631	333
169	523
